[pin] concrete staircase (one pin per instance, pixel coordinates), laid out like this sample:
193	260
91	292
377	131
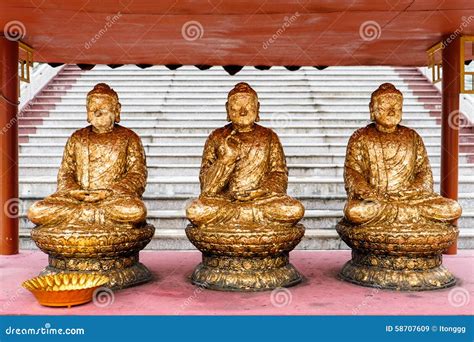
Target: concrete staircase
314	112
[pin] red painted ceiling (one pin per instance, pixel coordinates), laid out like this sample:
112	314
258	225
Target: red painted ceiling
238	32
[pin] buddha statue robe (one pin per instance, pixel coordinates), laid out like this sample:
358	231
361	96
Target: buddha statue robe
261	166
388	179
114	161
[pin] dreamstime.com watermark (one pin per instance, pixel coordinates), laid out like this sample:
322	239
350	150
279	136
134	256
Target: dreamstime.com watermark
370	30
281	297
14	30
110	21
11	207
46	330
103	297
457	120
366	301
464	23
14	120
280	120
20	291
459	297
287	21
188	301
192	30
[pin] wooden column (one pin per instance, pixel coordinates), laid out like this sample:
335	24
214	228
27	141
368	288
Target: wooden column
8	146
450	123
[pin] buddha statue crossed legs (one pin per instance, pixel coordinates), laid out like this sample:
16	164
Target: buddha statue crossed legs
243	171
96	218
243	213
392	215
387	172
102	174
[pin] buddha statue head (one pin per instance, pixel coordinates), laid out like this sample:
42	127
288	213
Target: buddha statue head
242	106
103	108
386	107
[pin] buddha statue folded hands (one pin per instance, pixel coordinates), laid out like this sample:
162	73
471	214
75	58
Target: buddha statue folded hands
95	221
93	186
244	222
393	220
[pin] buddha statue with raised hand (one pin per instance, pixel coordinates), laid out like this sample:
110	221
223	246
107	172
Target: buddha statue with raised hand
95	221
393	220
244	222
243	171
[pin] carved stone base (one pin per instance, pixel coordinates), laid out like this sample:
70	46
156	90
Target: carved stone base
122	271
111	251
245	274
398	257
245	258
397	273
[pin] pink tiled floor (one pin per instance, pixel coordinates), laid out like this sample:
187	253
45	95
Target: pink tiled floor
172	294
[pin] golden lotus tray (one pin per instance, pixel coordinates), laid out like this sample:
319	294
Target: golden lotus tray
65	289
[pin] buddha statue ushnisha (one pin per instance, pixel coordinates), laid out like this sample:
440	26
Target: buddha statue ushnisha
395	223
95	221
244	222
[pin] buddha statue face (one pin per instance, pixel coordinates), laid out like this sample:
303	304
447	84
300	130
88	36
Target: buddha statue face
386	107
103	108
242	106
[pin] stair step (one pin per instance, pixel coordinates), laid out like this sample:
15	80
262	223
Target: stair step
195	158
217	120
32	139
246	71
201	138
223	91
298	186
330	201
304	149
192	170
292	109
128	96
176	129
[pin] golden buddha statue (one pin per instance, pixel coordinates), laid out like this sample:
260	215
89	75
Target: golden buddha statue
243	221
95	221
393	220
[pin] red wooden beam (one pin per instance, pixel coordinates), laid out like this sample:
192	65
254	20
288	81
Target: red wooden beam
9	205
450	123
